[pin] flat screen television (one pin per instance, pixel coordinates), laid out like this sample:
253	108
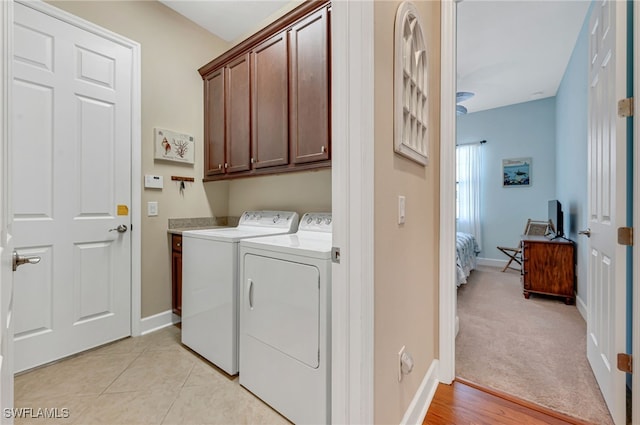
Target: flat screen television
556	217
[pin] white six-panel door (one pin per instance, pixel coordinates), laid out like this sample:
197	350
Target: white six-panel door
71	186
607	202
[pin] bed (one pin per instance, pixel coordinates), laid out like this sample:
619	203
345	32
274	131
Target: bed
466	252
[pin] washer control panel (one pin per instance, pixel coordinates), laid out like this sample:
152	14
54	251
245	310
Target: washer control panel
316	222
279	219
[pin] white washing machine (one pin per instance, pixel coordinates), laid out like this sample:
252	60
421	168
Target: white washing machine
210	271
285	320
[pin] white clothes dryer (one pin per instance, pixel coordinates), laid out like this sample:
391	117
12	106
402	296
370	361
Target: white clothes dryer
285	320
210	286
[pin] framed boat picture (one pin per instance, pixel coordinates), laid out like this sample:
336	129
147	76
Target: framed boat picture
516	172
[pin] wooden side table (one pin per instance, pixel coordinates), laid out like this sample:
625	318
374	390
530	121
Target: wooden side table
548	267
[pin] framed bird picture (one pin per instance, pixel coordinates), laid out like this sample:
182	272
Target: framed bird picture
173	146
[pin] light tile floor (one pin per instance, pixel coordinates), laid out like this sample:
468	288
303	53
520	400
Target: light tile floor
152	379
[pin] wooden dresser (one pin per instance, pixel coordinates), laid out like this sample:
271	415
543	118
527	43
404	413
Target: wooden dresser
548	267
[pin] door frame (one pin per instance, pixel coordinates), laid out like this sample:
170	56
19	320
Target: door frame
6	278
352	117
636	213
447	199
448	300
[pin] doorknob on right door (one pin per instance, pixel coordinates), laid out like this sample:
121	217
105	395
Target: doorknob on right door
587	232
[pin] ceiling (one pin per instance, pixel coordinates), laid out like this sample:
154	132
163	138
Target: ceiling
515	51
508	51
227	19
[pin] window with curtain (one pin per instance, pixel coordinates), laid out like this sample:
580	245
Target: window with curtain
468	162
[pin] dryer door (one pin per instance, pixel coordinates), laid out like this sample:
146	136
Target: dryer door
281	306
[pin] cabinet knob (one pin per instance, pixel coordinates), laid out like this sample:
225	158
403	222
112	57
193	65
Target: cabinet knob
253	160
323	149
219	166
226	165
178	244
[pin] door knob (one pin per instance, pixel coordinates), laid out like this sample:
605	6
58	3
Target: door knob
19	260
120	229
587	232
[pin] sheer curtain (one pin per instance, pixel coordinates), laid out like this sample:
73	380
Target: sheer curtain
468	161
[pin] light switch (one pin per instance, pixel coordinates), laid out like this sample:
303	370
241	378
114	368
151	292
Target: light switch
152	209
401	209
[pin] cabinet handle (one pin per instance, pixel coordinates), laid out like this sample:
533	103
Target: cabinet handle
219	166
250	294
323	149
253	160
226	165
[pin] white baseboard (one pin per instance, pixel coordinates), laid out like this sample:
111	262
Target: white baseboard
417	410
582	307
158	321
490	262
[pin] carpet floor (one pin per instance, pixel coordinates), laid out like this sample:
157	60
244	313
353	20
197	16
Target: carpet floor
534	349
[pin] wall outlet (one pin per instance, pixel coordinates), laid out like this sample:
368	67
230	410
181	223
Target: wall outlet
400	353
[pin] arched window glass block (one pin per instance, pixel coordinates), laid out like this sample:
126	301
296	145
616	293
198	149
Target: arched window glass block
411	138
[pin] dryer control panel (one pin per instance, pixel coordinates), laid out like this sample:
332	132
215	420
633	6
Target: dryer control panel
316	222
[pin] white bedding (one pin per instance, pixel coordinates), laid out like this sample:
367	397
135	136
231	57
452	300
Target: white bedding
466	252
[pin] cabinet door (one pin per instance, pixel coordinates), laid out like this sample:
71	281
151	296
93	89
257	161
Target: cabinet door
214	128
176	269
309	97
238	112
269	98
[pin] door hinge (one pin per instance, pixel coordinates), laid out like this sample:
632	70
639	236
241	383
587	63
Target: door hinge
625	236
335	255
625	107
625	362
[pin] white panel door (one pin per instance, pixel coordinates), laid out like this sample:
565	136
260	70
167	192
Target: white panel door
607	203
71	188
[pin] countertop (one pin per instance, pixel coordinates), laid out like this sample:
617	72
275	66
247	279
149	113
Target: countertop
176	226
184	229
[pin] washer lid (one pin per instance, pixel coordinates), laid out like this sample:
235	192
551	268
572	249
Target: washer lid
233	234
304	243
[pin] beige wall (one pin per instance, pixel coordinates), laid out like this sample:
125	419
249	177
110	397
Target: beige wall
406	256
302	192
173	48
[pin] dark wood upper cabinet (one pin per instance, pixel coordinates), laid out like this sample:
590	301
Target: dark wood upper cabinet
309	88
214	128
269	101
238	113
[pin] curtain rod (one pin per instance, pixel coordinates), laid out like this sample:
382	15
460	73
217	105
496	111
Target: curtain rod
481	142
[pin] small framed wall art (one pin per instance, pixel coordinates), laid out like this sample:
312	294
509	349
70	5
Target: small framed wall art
172	146
516	172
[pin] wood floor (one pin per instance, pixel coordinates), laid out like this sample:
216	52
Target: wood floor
462	404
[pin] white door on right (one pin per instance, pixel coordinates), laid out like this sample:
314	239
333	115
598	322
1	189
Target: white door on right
607	190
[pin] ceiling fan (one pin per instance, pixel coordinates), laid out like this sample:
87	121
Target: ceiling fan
461	96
